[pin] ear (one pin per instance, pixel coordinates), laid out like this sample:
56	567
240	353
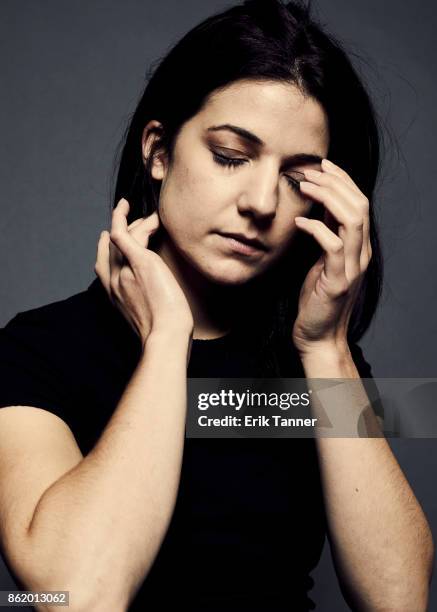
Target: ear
150	138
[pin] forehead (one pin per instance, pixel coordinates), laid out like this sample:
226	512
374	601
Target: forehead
278	113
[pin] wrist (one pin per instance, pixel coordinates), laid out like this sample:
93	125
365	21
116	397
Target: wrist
325	348
172	338
326	352
329	360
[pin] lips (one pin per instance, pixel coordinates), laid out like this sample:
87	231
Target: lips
235	244
253	242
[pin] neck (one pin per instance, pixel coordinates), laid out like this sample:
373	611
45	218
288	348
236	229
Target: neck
213	306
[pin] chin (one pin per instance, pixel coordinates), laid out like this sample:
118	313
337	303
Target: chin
221	270
228	272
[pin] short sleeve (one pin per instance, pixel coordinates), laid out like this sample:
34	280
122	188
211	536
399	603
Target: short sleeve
28	374
365	372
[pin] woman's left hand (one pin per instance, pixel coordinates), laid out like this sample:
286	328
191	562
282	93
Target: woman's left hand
332	285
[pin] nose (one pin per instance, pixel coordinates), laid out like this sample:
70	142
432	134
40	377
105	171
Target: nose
260	193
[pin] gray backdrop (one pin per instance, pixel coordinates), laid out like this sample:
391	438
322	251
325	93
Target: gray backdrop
71	75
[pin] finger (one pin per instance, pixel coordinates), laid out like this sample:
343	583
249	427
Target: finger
330	243
121	237
355	202
102	266
141	229
116	259
330	167
353	248
115	256
351	194
366	252
145	228
135	223
351	222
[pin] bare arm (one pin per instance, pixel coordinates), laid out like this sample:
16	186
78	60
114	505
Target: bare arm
95	528
98	528
380	539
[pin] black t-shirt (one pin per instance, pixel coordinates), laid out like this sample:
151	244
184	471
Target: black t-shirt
249	523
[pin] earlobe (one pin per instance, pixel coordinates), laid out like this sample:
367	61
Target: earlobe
157	167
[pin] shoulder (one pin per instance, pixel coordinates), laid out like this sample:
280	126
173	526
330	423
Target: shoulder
60	342
48	316
72	357
43	334
41	326
35	364
73	308
79	318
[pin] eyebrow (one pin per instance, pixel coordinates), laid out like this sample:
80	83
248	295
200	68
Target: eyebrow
297	158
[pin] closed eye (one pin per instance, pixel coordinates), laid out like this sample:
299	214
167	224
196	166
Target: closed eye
294	183
227	161
232	162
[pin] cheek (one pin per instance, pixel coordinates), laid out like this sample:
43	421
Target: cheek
286	229
184	204
192	195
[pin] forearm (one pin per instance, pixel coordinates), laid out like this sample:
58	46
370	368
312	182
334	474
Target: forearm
102	523
381	542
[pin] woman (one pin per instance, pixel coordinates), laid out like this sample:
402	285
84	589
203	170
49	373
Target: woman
242	243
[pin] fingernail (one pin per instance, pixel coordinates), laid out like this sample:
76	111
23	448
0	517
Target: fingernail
328	163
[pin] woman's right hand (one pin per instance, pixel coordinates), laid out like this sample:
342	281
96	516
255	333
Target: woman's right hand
137	280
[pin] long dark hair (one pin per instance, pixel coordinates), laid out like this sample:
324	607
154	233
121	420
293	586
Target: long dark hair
263	39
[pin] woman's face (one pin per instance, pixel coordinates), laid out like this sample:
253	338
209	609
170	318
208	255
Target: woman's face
263	127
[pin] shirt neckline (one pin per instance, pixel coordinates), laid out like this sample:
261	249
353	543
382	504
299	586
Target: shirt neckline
97	288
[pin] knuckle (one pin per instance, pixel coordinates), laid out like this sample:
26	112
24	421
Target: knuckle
135	223
364	202
126	275
356	223
337	247
114	236
327	179
342	289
